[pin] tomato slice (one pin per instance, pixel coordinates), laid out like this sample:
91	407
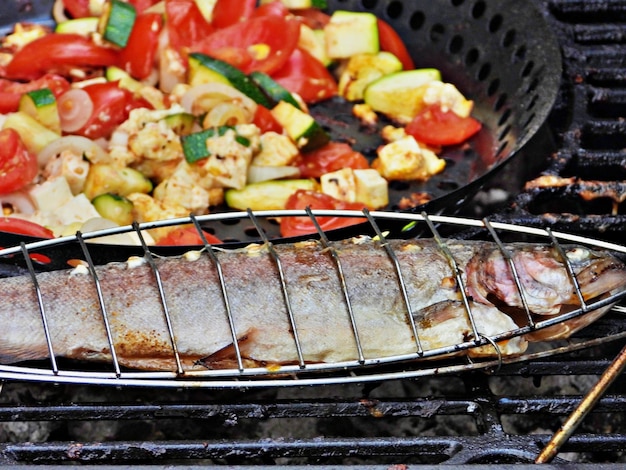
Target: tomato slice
24	227
137	58
390	41
229	12
18	166
11	92
185	23
301	199
186	236
331	157
111	107
305	75
77	8
433	126
275	8
265	120
57	52
268	41
312	17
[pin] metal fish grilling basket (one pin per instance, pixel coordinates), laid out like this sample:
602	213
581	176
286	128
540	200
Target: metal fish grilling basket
32	257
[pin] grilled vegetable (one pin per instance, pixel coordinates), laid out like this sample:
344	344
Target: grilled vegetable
349	33
114	207
117	21
300	126
267	195
42	105
363	69
103	178
274	90
34	134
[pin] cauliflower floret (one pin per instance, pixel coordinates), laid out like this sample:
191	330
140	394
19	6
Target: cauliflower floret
73	167
276	150
405	159
365	114
184	189
148	209
391	133
448	97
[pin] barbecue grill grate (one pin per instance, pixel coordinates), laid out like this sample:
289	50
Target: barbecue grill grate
360	369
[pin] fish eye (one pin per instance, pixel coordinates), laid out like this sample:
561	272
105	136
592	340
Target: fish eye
577	254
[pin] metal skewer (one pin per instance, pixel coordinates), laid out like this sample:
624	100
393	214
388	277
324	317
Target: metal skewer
586	405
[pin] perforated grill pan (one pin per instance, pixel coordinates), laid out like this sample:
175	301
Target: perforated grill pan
499	53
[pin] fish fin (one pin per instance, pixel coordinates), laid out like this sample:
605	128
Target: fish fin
11	353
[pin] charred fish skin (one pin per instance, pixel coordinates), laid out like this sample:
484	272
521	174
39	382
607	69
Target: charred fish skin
320	306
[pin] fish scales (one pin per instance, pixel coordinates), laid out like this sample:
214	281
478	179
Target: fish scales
199	317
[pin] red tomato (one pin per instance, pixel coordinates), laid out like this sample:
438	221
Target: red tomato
275	8
433	126
390	41
301	199
18	166
137	58
111	106
331	157
58	53
185	23
312	17
305	75
11	92
229	12
186	236
141	5
267	40
24	227
265	121
77	8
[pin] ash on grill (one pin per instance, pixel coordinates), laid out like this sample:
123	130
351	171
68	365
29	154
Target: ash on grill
503	417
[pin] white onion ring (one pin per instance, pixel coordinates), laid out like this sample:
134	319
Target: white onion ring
20	201
197	94
258	173
226	114
76	143
75	108
58	12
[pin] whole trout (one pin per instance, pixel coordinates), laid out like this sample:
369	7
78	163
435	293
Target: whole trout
328	327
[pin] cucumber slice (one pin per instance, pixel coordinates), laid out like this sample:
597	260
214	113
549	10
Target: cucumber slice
349	33
274	90
82	26
300	126
117	21
399	95
205	69
42	105
267	195
114	207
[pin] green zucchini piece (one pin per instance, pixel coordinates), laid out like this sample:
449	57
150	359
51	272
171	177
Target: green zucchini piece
103	178
34	134
267	195
181	123
82	26
114	207
42	105
114	74
300	126
399	95
117	21
274	90
194	145
349	33
205	69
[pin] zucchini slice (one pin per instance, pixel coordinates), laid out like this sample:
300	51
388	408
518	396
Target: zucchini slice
274	90
267	195
117	21
181	123
349	33
194	145
205	69
300	126
82	26
114	207
42	105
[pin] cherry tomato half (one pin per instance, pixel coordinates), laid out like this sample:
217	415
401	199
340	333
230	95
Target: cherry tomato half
301	199
265	120
229	12
268	42
305	75
390	41
433	126
137	58
77	8
18	166
24	227
184	236
185	23
57	52
331	157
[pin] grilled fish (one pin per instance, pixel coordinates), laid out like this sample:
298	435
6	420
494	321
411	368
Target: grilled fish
325	330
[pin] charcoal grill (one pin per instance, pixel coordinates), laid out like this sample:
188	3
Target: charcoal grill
468	419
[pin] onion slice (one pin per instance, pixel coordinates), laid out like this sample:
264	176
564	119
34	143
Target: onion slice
77	144
202	98
75	108
259	173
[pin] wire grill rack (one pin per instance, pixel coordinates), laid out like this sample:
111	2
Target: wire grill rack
381	226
